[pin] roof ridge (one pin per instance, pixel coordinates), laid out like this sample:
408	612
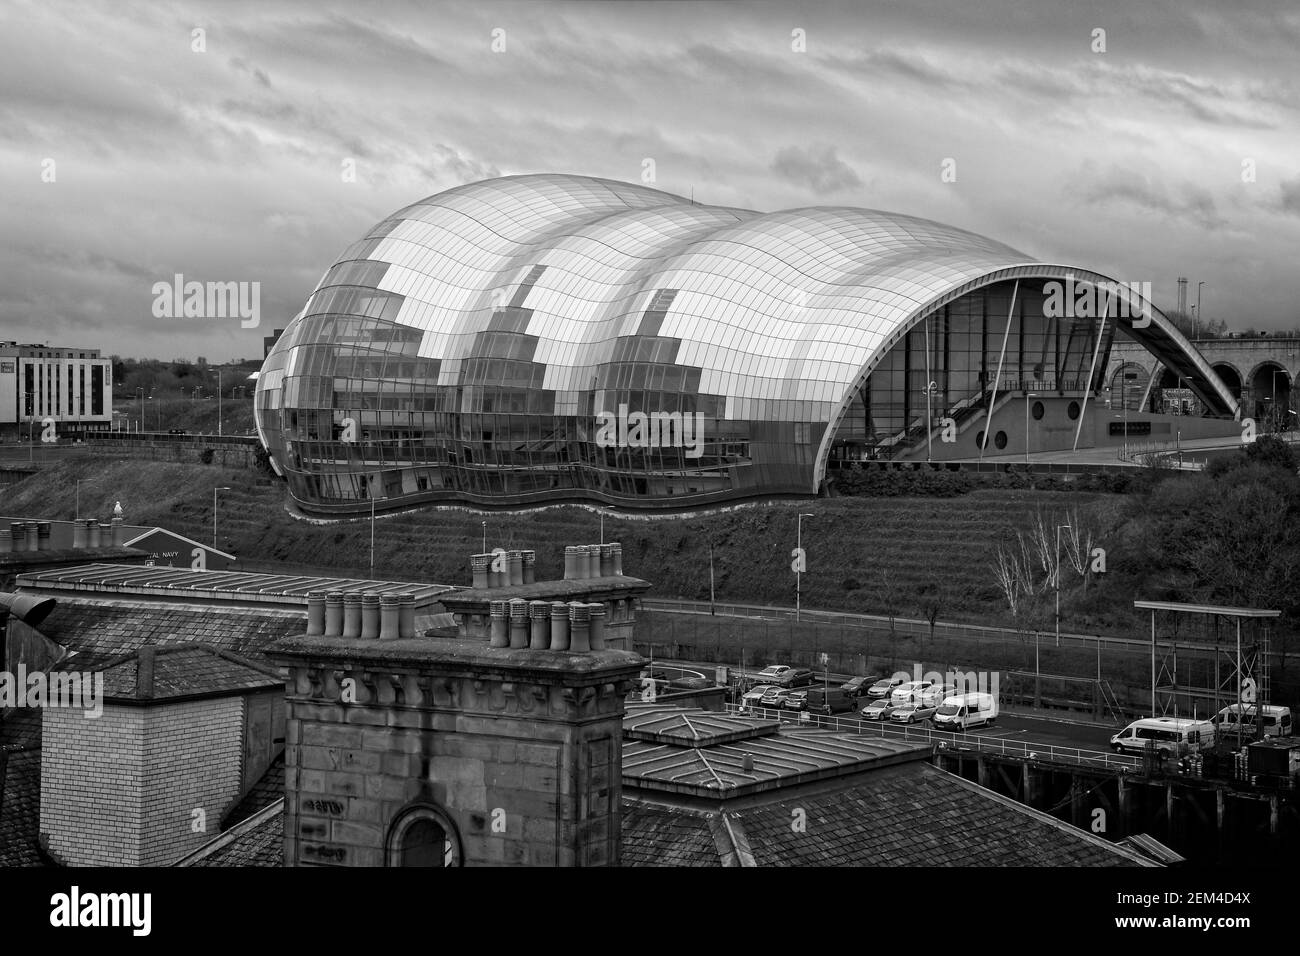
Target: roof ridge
1086	835
229	836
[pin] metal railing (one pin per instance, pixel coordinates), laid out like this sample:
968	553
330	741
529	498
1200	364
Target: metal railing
900	625
1019	749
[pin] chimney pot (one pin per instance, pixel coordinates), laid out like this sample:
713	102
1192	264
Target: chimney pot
406	615
43	535
597	612
500	636
518	623
351	614
530	567
499	575
33	537
617	553
78	535
6	540
539	613
334	614
92	533
119	532
515	567
370	613
390	615
579	628
606	560
747	763
315	614
559	626
572	571
105	534
479	564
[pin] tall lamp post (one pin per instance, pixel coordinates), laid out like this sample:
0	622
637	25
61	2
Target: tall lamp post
929	391
218	401
141	391
214	514
1028	396
798	593
1057	576
1198	306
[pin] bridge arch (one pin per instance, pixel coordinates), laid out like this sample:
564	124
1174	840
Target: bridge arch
1269	388
1230	375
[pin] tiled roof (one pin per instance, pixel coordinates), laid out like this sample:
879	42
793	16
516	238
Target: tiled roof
258	841
906	815
102	629
182	671
656	835
20	808
268	789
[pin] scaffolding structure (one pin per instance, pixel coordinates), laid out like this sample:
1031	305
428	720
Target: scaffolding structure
1211	657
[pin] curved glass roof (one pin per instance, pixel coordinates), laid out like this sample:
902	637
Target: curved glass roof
580	291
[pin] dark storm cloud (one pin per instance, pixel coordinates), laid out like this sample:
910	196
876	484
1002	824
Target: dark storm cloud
226	165
1289	197
1178	201
817	168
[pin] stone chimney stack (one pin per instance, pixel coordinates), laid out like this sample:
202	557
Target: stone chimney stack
502	748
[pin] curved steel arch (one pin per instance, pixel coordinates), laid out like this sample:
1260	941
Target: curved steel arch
1159	337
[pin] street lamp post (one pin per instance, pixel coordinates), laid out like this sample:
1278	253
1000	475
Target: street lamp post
1028	396
1198	306
798	593
141	391
218	401
214	513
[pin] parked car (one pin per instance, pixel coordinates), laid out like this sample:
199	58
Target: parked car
752	696
797	677
832	700
773	673
911	713
936	693
878	709
883	687
856	687
774	696
795	700
909	690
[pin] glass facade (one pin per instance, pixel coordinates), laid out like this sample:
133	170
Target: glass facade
550	337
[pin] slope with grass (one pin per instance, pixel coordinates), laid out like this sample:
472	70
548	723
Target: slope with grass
868	555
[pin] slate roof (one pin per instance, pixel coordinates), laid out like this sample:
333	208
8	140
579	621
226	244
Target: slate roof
101	629
268	789
183	672
20	807
917	815
257	841
656	835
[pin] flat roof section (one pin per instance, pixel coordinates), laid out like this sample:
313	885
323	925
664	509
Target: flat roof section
1206	609
238	587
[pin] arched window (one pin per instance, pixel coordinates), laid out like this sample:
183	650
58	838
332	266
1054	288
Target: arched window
423	836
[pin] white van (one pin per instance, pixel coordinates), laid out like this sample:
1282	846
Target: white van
966	710
1169	735
1244	718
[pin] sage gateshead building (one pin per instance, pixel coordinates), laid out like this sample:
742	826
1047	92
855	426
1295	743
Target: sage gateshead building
543	338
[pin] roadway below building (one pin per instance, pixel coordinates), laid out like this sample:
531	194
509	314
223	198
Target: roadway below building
1014	726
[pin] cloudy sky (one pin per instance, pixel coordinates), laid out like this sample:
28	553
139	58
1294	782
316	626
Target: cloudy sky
226	163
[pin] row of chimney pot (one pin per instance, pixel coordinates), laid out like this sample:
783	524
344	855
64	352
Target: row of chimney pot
364	615
547	625
582	561
520	568
86	533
